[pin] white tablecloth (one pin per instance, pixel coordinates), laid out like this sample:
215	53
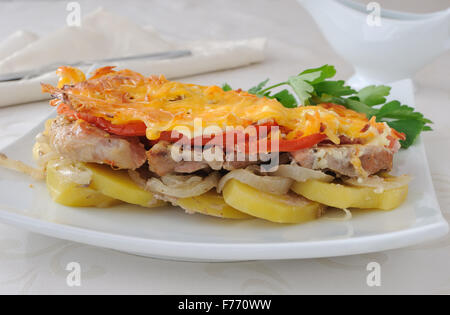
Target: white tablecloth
30	263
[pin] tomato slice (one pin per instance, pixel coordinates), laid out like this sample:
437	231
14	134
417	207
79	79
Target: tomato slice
138	128
220	139
283	145
286	145
301	143
131	129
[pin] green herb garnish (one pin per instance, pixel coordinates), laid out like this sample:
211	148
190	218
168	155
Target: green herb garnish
312	87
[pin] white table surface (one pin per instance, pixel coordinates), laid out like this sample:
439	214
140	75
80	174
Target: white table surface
31	263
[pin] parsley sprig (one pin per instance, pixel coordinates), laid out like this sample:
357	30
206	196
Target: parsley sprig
313	86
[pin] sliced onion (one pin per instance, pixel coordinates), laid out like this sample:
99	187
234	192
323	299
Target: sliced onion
301	174
347	217
43	160
21	167
182	186
73	172
380	183
43	153
271	184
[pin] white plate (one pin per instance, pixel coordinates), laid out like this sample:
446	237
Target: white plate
170	233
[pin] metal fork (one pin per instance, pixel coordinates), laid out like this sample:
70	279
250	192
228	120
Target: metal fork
172	54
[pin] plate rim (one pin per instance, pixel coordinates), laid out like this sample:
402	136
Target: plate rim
200	251
221	251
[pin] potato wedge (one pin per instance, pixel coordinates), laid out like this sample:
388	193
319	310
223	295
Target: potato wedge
118	184
275	208
71	194
345	196
211	203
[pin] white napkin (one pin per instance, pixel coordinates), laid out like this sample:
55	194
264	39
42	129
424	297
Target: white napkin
16	42
105	35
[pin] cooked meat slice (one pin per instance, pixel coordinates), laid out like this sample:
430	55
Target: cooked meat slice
160	161
227	161
350	160
190	166
235	162
283	158
82	142
234	165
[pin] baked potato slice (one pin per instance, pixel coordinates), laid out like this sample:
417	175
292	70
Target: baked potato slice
211	203
117	184
71	194
276	208
347	196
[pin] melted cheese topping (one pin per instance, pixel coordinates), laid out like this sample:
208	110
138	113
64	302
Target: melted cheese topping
125	96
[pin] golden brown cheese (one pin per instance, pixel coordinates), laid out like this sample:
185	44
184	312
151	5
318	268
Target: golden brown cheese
125	96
